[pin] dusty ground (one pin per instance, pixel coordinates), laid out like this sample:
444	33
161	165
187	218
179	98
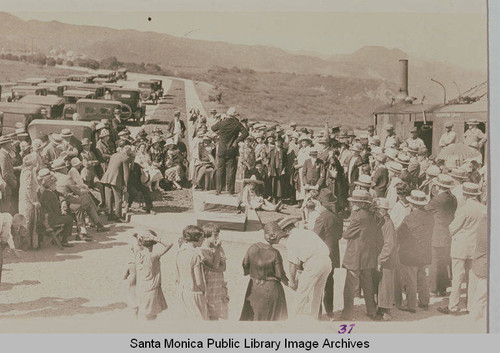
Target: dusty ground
81	289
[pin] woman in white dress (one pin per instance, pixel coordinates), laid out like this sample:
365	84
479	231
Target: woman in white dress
144	160
303	154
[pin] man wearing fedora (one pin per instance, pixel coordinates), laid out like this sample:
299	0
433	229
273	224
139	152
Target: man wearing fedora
231	132
8	183
103	147
360	257
394	169
387	262
329	226
415	239
474	137
313	171
53	149
177	127
380	175
470	220
449	136
442	207
115	180
70	145
459	176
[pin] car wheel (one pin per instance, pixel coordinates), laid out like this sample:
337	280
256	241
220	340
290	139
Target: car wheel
126	111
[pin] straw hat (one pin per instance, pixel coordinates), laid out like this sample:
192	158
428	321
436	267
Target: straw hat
364	180
100	126
253	179
85	141
360	196
417	197
471	189
395	167
391	153
433	170
444	181
37	144
42	173
58	164
459	173
448	124
66	133
56	138
286	222
76	162
389	127
305	137
403	159
472	122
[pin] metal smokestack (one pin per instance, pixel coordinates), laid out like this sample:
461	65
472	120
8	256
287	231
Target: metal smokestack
403	78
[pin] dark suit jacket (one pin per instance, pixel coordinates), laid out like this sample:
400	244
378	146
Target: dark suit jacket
354	171
381	180
171	126
329	227
314	174
414	237
277	160
7	171
231	131
118	170
442	207
363	241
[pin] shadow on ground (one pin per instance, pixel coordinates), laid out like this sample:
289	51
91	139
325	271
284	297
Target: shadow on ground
52	307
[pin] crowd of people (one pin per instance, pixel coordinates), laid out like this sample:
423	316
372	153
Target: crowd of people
413	223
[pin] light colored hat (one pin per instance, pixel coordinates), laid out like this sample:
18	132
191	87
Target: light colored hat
75	162
313	150
448	124
459	173
100	126
295	135
285	222
472	122
231	111
293	123
122	133
357	147
85	141
24	145
365	181
56	138
305	137
253	179
66	133
395	167
444	181
414	129
391	153
403	159
417	197
471	189
360	196
42	173
37	144
383	203
104	133
58	163
389	127
433	170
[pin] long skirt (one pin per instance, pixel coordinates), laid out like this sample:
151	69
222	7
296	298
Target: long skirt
264	301
216	295
386	289
299	186
173	173
151	302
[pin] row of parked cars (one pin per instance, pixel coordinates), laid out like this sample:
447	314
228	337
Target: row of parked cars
86	94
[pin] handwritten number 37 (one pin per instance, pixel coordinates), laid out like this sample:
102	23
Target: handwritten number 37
344	328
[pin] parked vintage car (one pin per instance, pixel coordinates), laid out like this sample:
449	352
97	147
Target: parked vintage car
54	105
19	92
105	76
31	81
97	109
121	74
148	91
159	86
132	98
18	112
70	98
84	78
54	89
40	129
98	90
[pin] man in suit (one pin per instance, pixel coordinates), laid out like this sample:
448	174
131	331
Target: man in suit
313	171
231	132
177	127
414	236
470	220
276	169
380	175
115	181
353	168
104	148
70	145
8	181
328	226
53	149
442	207
360	259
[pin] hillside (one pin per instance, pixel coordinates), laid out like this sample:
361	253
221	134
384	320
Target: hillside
13	71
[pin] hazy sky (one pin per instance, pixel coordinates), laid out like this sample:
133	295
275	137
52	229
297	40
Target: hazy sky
455	33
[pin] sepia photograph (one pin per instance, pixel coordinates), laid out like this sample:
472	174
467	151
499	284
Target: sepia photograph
236	171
